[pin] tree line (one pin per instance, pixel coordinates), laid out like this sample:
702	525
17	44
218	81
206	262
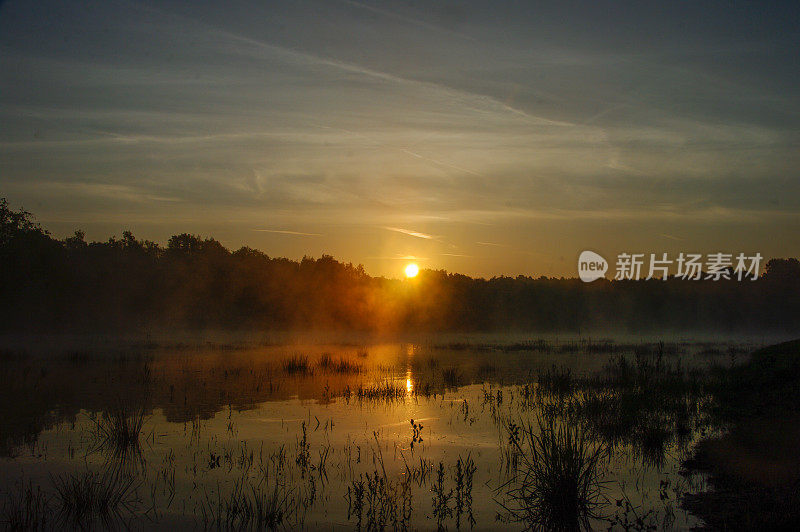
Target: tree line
127	284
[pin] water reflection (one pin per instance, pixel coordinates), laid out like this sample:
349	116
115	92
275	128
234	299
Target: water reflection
409	365
222	425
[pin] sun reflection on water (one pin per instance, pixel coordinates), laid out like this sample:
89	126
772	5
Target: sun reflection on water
409	374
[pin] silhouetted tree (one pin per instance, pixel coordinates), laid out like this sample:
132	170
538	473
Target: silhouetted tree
195	282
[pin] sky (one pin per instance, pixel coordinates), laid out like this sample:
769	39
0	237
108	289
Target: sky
486	138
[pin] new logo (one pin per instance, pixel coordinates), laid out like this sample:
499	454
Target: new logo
591	266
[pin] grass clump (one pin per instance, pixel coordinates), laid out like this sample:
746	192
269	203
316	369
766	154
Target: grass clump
296	365
381	392
557	380
375	502
117	432
250	506
556	483
120	428
25	508
451	377
341	365
88	499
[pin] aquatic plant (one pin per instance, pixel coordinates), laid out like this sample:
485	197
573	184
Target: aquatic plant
441	498
25	507
381	392
465	470
117	432
340	365
451	377
250	506
557	484
296	364
89	498
416	436
377	502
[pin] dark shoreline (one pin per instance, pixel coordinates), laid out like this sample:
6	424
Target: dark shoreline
754	469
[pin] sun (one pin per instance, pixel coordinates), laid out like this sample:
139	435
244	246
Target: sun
412	270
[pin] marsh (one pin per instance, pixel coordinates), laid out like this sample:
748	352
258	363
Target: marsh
538	433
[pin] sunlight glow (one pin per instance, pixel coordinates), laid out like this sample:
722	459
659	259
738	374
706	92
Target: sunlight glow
412	270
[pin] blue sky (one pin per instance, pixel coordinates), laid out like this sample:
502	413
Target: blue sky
482	137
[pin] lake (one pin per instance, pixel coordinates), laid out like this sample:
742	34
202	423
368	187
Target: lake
467	434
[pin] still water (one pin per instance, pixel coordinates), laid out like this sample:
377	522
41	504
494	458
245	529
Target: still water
400	435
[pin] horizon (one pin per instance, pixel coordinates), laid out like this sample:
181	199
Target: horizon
404	264
489	140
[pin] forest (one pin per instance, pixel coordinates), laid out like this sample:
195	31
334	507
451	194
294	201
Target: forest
127	284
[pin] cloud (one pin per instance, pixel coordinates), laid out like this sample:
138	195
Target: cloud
400	257
410	233
284	232
409	20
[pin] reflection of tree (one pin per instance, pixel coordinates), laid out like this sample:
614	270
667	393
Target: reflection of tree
118	388
42	392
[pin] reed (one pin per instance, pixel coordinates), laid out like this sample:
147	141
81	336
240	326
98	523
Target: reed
296	365
557	484
88	499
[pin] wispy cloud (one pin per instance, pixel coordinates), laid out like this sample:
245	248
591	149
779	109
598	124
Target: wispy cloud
486	101
400	257
284	232
410	20
410	233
